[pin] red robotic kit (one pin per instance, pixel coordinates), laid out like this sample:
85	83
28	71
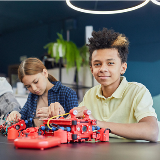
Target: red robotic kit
6	126
53	132
75	130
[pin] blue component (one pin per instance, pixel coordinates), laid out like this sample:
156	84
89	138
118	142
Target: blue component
61	128
53	128
68	129
43	128
29	120
98	128
26	121
95	128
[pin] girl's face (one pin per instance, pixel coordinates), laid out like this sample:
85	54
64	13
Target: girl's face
36	84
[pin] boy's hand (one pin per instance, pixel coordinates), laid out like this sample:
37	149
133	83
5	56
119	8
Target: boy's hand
14	116
79	112
55	109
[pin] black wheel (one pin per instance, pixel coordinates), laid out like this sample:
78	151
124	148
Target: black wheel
2	130
84	128
74	122
17	127
74	136
39	132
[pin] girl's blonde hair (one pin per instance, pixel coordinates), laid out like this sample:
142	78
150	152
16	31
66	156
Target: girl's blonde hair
32	66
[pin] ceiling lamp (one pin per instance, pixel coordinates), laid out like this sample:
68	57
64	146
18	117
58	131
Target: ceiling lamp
107	12
156	2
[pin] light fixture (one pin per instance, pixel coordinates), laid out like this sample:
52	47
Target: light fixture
155	2
107	12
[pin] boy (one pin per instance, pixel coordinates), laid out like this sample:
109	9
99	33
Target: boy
124	107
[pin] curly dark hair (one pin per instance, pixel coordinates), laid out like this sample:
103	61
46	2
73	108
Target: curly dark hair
108	39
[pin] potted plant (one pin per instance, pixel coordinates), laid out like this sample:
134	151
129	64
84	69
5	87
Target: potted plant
68	50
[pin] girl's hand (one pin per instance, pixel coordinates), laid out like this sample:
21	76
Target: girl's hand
55	109
14	116
43	112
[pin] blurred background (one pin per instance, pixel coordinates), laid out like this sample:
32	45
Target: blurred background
27	26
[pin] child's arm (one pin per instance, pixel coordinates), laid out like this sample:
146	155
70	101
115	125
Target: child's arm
145	129
14	116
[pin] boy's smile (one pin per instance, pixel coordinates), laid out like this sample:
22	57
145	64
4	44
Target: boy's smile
107	67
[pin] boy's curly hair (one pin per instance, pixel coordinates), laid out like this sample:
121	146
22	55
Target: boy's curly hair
108	39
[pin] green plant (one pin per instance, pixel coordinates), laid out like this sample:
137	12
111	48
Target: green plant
69	51
84	52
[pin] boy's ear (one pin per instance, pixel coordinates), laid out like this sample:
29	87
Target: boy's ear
45	73
91	69
123	68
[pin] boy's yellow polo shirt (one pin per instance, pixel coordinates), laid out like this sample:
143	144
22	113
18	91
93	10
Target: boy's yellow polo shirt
128	104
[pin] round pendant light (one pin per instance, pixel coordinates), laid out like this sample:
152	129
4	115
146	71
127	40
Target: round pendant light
107	12
155	2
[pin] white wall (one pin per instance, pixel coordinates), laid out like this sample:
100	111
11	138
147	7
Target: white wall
22	99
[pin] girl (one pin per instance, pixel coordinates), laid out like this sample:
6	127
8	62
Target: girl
45	91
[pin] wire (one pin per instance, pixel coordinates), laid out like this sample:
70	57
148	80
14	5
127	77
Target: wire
55	117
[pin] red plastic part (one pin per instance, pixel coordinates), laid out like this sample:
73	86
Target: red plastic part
39	142
31	132
61	134
20	125
12	133
104	134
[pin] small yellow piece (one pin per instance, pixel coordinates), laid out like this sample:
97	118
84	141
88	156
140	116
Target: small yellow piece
55	117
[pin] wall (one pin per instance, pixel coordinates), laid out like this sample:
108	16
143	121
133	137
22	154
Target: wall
27	42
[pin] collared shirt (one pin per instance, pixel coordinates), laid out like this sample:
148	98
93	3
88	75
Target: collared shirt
128	104
58	93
